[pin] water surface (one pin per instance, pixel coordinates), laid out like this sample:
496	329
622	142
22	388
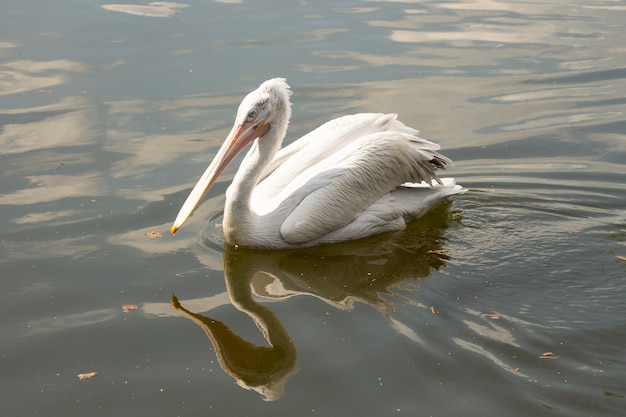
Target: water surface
506	301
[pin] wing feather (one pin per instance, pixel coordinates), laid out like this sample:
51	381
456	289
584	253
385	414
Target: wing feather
370	167
323	142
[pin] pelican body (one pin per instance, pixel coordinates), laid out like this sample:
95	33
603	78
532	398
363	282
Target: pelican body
350	178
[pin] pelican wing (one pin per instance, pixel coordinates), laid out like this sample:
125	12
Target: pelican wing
362	172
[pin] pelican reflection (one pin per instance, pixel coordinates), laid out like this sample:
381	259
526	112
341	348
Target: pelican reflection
369	271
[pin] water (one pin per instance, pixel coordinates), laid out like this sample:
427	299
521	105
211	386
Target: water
110	113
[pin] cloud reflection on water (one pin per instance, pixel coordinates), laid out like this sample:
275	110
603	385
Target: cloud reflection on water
142	139
137	147
154	9
27	75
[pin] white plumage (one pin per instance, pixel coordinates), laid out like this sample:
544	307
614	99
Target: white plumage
352	177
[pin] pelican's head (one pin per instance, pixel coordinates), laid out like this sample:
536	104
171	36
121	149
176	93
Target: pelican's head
264	109
269	104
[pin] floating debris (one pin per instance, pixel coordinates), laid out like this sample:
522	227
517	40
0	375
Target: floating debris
549	355
154	234
86	375
128	307
437	251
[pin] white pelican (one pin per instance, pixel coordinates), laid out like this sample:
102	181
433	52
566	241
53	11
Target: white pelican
352	177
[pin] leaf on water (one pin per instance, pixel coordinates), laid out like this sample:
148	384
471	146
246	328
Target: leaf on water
549	355
438	251
154	234
86	375
128	307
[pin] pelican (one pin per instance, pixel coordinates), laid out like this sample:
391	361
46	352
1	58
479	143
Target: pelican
350	178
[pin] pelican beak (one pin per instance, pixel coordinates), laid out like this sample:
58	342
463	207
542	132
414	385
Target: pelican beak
238	138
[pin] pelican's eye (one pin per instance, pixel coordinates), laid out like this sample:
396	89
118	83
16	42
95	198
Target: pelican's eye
252	115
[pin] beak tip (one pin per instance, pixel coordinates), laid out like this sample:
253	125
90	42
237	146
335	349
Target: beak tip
173	230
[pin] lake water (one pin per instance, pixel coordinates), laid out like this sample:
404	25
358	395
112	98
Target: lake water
508	301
